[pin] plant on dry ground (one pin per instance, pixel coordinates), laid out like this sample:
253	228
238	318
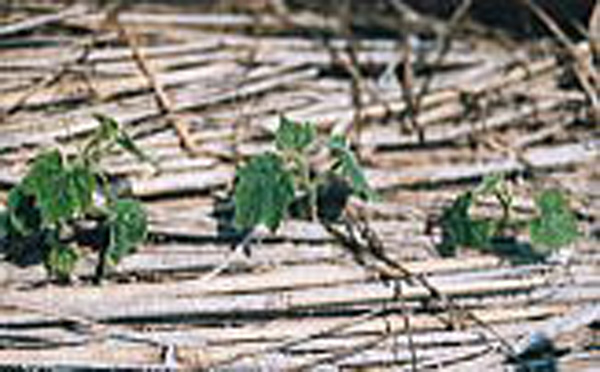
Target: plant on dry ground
553	225
66	202
276	184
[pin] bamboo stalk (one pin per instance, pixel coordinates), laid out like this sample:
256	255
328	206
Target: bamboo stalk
186	99
31	24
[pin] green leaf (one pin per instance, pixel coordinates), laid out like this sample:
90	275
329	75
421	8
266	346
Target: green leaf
24	218
293	136
45	165
490	184
48	181
61	259
348	166
81	186
552	201
556	225
459	229
60	191
108	134
455	220
107	131
128	228
338	143
480	233
263	192
102	138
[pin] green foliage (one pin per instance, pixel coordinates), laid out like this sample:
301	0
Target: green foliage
292	136
81	185
60	191
347	165
460	229
57	193
128	228
263	193
490	184
23	217
61	259
556	225
553	227
110	135
273	185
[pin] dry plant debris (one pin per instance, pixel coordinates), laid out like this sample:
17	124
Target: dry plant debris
432	103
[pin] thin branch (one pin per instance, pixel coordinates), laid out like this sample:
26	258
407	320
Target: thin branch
407	327
374	248
241	248
43	20
96	330
586	75
347	351
390	333
294	341
406	82
162	100
444	46
51	79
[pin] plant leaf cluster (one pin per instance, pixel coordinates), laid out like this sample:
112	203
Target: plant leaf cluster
46	210
275	184
553	226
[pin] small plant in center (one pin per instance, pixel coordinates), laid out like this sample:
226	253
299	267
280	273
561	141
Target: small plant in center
66	203
276	184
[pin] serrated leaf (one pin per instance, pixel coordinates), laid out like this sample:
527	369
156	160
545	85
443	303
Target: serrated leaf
24	217
556	225
48	181
293	136
128	228
263	192
349	168
61	260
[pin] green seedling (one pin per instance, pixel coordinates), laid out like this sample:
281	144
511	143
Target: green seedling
66	203
277	184
553	226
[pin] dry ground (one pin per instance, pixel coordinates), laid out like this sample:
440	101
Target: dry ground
429	117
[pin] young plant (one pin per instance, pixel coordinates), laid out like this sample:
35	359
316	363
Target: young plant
553	226
65	203
281	183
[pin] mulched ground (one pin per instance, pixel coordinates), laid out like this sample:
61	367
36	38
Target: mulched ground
428	119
